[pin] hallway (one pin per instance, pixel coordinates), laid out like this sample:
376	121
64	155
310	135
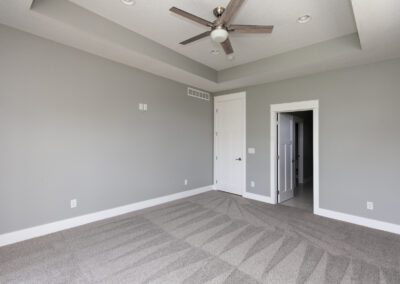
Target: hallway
303	197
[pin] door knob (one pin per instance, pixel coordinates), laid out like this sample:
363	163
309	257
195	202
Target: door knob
238	159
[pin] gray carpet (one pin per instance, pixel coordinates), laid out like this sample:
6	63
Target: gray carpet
213	237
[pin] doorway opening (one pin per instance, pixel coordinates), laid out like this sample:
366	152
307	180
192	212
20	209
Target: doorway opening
295	155
295	159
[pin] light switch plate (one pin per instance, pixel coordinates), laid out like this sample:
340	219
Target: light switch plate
251	150
74	203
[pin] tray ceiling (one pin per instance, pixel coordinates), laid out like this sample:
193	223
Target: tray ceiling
152	19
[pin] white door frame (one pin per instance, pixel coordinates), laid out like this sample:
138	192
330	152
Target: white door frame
292	107
241	95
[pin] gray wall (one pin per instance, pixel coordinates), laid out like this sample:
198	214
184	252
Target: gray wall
70	128
359	136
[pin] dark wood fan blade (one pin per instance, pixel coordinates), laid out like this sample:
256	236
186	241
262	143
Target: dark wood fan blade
192	39
251	29
230	11
227	46
191	17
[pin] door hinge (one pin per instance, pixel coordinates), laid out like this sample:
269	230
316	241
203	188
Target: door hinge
216	110
216	181
216	157
278	192
277	157
216	133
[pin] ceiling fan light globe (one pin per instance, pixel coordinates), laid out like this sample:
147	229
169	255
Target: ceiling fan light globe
219	35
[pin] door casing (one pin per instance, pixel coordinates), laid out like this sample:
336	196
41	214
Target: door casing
293	107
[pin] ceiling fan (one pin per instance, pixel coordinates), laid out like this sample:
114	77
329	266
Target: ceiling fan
221	27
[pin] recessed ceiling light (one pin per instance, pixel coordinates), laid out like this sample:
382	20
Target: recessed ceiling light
128	2
304	19
214	51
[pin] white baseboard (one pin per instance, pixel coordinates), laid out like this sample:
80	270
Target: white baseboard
366	222
362	221
42	230
258	197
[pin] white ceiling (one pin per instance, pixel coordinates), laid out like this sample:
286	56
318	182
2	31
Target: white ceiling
326	43
378	24
152	19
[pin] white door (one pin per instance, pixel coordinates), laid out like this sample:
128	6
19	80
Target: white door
286	159
230	139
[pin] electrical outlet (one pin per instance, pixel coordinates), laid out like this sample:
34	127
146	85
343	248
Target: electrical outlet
142	107
252	184
74	203
370	205
185	182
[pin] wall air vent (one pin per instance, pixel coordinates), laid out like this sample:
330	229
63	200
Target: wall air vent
198	94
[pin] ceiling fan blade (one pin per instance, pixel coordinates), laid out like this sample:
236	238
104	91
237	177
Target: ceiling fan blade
251	29
192	39
227	46
191	17
230	11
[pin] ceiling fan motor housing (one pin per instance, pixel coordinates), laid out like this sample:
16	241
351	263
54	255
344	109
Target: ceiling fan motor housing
219	33
218	11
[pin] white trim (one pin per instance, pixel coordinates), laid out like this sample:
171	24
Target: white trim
42	230
258	197
314	106
234	96
366	222
295	106
292	107
240	95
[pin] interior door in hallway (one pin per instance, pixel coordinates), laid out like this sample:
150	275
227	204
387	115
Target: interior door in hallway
286	159
230	145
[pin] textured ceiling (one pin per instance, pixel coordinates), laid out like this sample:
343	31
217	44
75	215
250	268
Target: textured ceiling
139	36
152	19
